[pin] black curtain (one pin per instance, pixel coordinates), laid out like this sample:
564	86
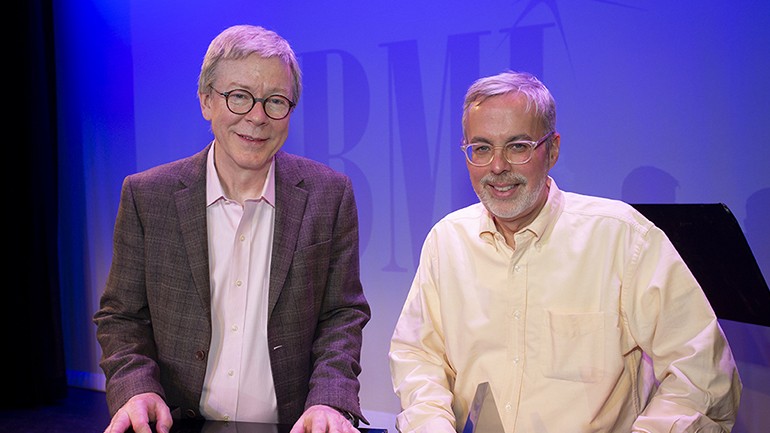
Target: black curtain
33	349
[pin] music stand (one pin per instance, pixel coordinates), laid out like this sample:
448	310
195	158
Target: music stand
712	244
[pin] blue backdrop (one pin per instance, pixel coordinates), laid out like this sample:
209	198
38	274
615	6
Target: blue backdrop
658	102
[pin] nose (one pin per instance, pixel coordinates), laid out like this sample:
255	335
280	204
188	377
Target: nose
499	164
257	113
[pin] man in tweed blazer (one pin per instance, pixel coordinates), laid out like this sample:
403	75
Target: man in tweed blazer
169	310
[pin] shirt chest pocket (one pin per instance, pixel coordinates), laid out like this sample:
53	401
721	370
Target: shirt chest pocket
573	346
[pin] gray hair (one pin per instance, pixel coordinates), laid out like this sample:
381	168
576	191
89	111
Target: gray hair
537	95
240	41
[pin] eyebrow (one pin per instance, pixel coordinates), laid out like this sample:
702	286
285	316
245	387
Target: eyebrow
519	137
268	91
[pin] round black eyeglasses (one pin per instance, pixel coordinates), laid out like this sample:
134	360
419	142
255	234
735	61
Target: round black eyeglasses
241	101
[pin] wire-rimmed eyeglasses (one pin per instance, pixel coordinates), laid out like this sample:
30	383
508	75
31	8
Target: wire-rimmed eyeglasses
516	152
241	101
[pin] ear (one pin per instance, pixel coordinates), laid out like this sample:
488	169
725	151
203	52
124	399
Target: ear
553	151
205	100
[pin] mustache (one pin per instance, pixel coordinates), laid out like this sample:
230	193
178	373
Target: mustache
509	178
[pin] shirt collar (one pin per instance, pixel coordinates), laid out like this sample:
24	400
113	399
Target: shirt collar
215	192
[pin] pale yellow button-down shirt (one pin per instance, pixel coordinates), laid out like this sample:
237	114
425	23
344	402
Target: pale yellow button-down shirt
592	324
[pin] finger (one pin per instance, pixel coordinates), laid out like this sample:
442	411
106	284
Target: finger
163	420
141	427
299	426
138	419
119	423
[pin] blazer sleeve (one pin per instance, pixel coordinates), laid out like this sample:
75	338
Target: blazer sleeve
123	327
344	312
153	323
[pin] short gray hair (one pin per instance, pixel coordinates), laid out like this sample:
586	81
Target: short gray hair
240	41
537	95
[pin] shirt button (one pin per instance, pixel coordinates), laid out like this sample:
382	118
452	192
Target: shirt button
516	360
234	328
226	417
238	283
516	268
230	373
242	238
508	406
517	315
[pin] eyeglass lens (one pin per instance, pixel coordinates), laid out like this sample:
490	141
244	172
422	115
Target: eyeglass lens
241	102
515	153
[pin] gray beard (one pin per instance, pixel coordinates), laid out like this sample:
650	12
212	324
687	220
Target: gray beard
518	205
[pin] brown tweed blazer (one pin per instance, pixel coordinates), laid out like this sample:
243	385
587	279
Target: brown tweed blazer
154	320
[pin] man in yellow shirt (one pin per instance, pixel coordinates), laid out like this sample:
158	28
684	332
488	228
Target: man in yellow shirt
577	310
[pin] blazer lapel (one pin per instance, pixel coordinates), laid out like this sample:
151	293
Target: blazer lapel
191	208
290	201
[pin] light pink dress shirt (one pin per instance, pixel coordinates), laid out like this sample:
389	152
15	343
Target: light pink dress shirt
239	381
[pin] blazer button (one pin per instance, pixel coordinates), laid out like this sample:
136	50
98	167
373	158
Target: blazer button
190	413
200	355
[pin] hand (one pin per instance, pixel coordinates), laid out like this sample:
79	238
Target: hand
322	419
138	412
